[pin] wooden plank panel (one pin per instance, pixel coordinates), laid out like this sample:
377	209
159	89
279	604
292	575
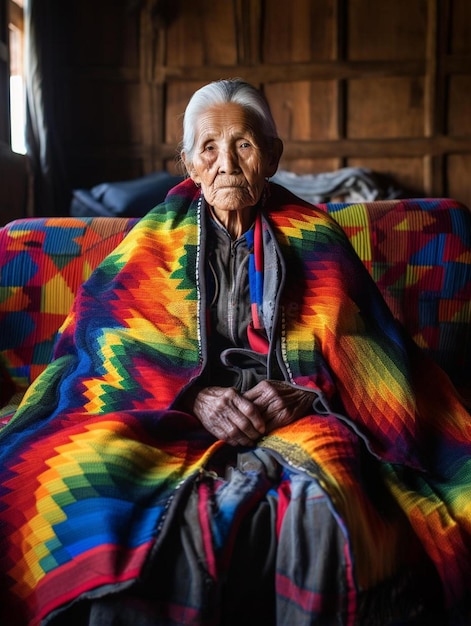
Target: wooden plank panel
267	73
405	173
460	34
433	98
175	166
434	175
203	34
458	168
459	105
377	147
304	110
151	105
385	108
386	30
248	27
310	166
177	96
299	31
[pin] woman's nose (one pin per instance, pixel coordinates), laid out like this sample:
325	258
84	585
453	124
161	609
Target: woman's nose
228	162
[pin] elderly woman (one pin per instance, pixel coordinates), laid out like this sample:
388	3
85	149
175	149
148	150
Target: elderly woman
234	428
233	152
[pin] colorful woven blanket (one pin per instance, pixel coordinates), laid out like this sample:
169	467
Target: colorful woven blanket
97	456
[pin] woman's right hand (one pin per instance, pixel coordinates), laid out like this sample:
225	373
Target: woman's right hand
227	415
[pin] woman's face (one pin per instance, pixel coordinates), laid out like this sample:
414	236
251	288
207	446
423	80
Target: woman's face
231	160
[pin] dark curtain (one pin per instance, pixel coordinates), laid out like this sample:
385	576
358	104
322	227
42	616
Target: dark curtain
46	26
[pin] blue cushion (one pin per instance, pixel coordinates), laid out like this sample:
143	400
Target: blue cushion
132	198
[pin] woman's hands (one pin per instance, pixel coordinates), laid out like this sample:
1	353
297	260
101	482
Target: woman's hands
241	419
228	415
280	403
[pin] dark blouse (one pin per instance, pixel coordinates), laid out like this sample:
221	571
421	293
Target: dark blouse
232	363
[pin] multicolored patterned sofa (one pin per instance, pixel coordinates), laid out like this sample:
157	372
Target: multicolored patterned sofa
418	252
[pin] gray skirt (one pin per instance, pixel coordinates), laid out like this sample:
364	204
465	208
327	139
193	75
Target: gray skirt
277	570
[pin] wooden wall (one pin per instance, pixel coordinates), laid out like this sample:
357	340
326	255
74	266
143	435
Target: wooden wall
373	83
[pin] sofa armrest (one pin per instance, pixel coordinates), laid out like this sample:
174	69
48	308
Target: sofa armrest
43	261
418	252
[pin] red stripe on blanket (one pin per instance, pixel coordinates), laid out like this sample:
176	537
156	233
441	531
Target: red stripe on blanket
116	565
204	503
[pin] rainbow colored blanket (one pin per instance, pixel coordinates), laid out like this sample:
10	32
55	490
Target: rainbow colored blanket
97	457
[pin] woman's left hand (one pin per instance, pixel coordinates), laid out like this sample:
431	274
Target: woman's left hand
280	403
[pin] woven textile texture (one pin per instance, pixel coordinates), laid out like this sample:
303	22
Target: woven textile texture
43	261
417	251
97	463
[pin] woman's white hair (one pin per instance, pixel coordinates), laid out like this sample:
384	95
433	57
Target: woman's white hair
223	92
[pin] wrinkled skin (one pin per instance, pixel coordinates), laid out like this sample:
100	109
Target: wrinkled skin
241	419
231	162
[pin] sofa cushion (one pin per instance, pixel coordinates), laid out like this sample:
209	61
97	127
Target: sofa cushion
130	198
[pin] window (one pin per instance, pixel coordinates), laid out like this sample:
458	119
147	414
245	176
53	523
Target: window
17	83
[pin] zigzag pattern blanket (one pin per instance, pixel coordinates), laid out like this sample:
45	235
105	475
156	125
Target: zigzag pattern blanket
96	456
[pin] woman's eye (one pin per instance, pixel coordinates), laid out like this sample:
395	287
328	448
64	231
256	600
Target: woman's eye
245	144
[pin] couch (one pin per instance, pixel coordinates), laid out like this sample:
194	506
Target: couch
418	251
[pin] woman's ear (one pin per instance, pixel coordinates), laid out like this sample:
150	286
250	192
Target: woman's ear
190	170
275	153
